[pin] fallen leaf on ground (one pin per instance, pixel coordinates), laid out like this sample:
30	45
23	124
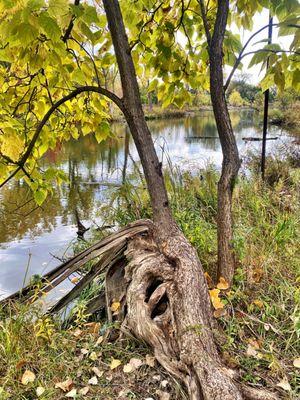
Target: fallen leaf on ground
92	327
163	395
128	368
220	312
77	333
93	356
65	386
84	351
215	299
97	372
296	362
99	340
75	279
28	377
258	303
72	393
150	360
39	391
136	363
115	363
93	381
208	280
223	284
83	391
284	384
20	364
251	351
257	274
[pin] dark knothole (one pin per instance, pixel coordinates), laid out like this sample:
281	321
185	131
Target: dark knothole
152	287
160	307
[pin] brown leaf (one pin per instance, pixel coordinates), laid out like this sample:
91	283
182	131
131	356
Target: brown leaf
220	312
257	274
21	364
208	280
83	391
65	386
150	360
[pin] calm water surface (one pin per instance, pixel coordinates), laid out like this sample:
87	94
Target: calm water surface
30	236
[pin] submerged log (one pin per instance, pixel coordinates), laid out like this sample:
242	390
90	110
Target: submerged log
256	139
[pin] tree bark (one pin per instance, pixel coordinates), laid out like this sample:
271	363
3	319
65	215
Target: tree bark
231	162
163	289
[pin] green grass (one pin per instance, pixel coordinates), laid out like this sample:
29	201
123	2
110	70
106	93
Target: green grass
262	308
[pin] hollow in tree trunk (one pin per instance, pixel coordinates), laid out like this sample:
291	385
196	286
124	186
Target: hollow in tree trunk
163	288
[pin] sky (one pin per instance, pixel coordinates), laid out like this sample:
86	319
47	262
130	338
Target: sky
254	73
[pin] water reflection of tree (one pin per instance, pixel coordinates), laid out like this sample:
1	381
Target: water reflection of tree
85	161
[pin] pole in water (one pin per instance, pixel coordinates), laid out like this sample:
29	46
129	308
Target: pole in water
266	109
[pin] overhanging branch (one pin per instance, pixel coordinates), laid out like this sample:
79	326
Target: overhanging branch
117	100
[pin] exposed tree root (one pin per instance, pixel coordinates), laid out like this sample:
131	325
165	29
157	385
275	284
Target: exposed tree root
164	301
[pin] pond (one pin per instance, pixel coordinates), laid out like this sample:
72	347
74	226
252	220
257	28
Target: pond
32	237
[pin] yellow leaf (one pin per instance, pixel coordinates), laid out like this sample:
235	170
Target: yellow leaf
215	299
28	377
258	303
115	306
75	279
296	362
128	368
223	284
93	356
115	363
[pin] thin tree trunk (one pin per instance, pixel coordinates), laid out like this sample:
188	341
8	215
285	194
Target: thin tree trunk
231	162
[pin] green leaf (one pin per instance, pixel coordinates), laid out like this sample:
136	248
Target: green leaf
49	26
40	196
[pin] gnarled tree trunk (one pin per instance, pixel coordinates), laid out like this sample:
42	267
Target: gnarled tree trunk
167	301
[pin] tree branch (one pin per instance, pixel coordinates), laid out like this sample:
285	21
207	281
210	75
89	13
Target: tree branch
117	100
241	54
71	24
205	22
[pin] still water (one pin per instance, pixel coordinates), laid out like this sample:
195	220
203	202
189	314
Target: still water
31	237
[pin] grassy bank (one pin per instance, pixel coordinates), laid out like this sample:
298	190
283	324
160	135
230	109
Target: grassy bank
258	328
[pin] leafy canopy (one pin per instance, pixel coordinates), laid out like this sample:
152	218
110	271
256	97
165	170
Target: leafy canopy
50	48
